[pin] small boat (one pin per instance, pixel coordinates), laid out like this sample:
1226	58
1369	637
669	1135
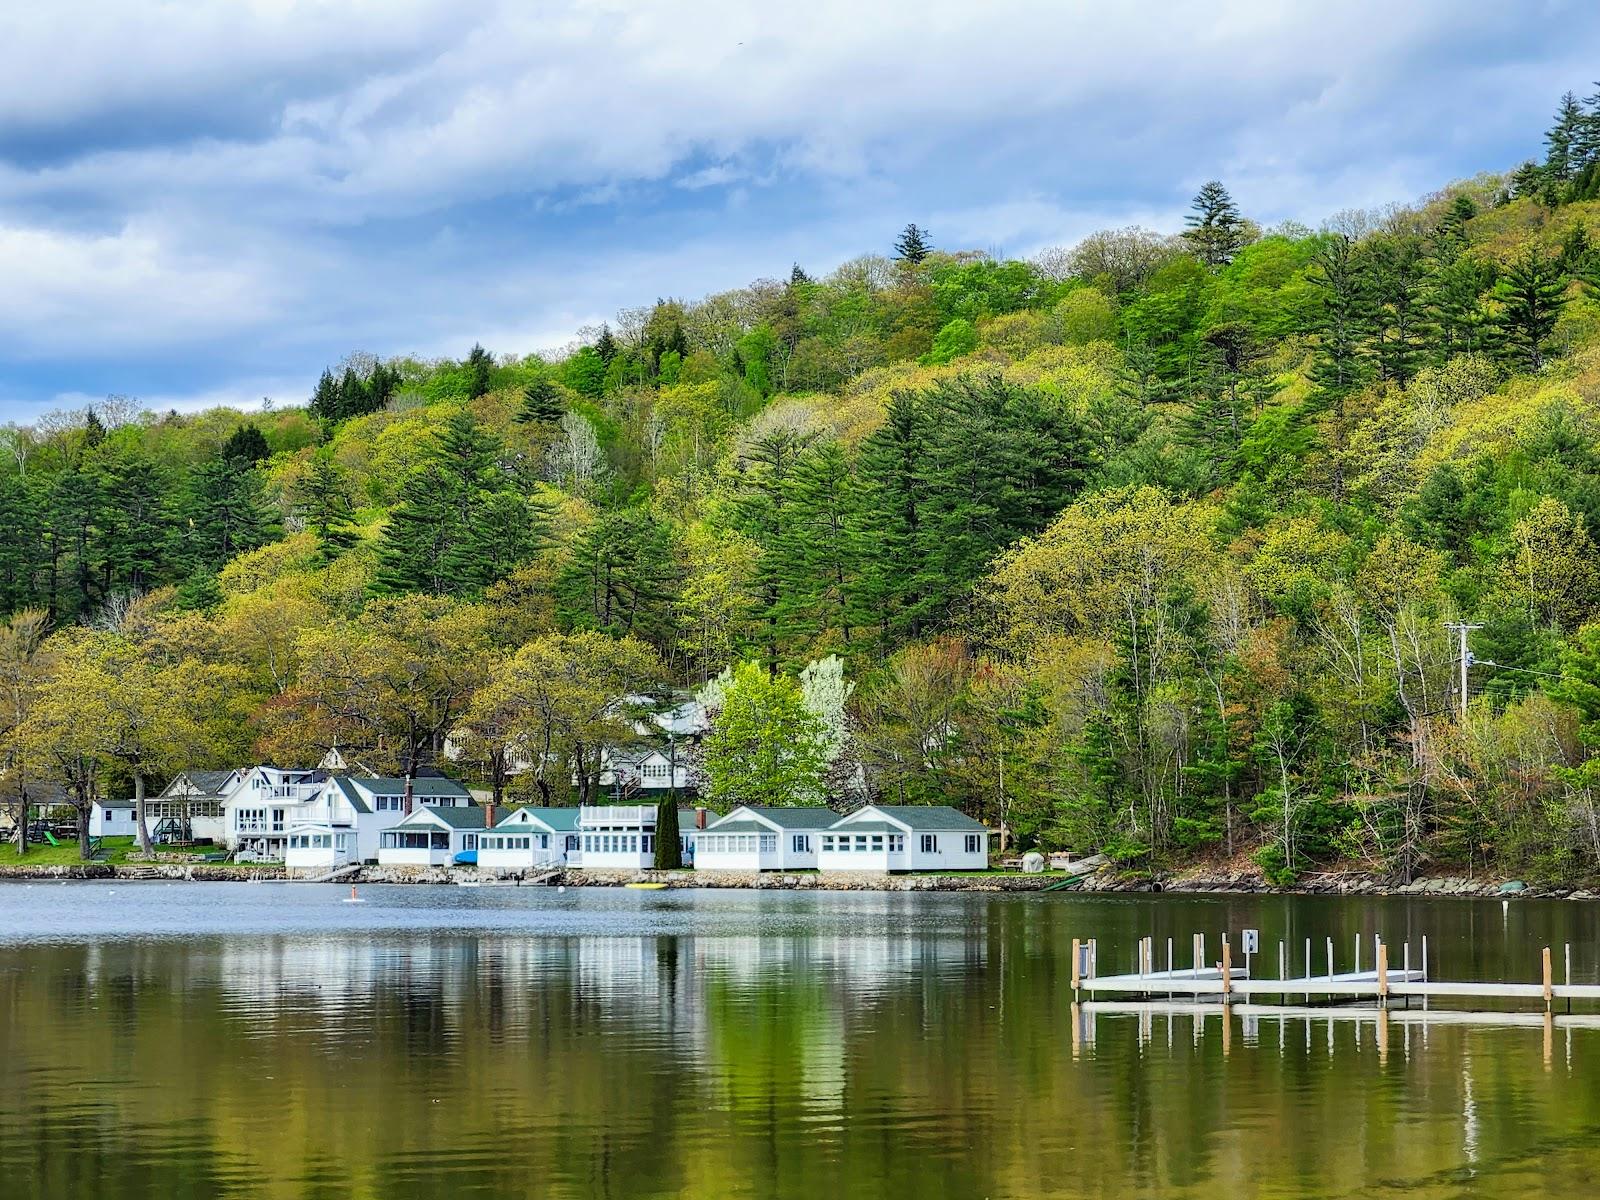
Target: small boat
469	883
645	887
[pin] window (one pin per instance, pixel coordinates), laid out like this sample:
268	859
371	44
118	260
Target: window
801	844
861	843
930	843
973	843
897	843
655	770
827	842
470	841
877	841
649	843
769	843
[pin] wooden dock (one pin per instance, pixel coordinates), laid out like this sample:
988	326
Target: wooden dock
1227	980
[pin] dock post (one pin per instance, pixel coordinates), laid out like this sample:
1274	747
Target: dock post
1076	950
1330	958
1308	970
1424	980
1358	954
1567	978
1283	971
1546	959
1227	971
1383	977
1199	952
1169	987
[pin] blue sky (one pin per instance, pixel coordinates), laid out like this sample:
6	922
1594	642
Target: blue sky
206	204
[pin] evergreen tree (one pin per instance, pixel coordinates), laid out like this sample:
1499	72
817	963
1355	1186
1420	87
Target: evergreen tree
891	468
21	548
137	522
222	512
325	401
541	404
1216	231
621	578
913	245
1392	270
798	276
353	397
245	445
479	363
1532	293
762	512
1563	141
606	345
459	524
74	561
324	498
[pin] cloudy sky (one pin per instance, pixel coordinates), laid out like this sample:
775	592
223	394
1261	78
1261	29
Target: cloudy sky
205	203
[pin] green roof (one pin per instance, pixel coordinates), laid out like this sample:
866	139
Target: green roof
457	817
558	820
929	818
356	799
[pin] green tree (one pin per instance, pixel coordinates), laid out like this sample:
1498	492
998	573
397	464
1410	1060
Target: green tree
1532	293
764	747
913	245
1216	231
479	364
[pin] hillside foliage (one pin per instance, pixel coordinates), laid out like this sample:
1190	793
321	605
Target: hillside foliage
1147	545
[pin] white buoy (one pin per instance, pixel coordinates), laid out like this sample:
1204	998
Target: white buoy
562	888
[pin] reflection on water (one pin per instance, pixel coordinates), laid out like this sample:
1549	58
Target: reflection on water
237	1040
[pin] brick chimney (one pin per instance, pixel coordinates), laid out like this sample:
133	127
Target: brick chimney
406	803
699	817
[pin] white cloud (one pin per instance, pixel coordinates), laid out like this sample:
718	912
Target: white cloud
258	181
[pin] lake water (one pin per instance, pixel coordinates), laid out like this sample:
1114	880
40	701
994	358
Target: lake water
200	1040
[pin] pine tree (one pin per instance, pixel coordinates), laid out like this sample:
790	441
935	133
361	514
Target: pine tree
21	548
222	512
1561	161
798	276
622	577
541	404
324	499
479	363
1216	231
1392	308
247	445
606	345
325	399
137	522
1532	293
913	245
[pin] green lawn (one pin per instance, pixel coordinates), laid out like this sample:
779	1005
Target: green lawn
116	851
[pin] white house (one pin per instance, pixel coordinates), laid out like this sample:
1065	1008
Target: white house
531	838
623	836
642	769
264	803
904	837
344	820
752	838
433	836
190	808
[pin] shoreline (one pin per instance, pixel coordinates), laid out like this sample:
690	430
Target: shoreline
1190	882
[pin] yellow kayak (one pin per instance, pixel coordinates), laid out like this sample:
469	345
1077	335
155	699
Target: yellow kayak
646	887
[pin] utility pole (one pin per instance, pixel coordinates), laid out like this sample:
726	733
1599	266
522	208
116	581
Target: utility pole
1463	656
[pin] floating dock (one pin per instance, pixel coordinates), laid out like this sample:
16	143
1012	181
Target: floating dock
1227	980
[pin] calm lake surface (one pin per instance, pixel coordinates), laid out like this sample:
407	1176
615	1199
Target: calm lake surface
219	1040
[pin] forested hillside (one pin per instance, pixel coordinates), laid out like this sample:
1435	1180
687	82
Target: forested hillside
1146	545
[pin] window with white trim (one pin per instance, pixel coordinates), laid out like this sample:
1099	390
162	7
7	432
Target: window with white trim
801	844
930	843
974	843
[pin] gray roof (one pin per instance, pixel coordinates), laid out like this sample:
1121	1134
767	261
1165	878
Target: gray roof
742	825
115	803
205	783
422	785
867	827
814	816
930	818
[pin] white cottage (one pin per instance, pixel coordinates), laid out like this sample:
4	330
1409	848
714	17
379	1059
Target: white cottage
904	837
433	837
531	838
623	836
753	838
344	820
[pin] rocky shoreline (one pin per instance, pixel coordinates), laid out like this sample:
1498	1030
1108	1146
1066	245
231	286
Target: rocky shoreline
1198	880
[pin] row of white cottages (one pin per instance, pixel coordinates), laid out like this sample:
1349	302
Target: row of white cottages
319	821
